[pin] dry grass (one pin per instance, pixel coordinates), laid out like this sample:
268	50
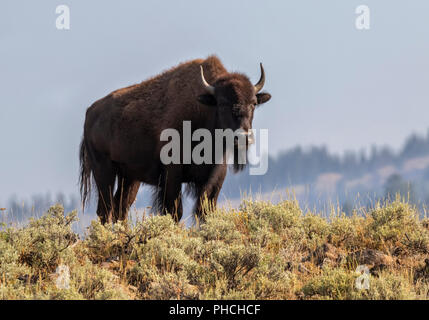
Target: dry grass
260	251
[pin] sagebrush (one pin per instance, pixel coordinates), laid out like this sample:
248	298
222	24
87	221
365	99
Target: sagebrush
259	251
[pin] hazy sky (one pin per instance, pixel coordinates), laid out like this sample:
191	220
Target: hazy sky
331	83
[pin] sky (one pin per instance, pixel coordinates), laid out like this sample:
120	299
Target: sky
331	84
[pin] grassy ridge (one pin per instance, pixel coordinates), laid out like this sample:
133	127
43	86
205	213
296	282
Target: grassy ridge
261	251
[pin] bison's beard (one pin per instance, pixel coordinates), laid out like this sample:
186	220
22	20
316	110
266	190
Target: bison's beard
240	159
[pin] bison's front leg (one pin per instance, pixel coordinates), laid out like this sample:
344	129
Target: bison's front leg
208	193
124	197
169	193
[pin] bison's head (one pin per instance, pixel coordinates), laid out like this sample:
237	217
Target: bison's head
235	98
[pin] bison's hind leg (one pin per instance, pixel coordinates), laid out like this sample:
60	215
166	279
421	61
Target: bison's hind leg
105	175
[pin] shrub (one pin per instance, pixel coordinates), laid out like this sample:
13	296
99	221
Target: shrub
316	230
46	241
396	224
261	251
336	284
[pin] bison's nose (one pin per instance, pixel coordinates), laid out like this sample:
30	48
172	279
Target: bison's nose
248	136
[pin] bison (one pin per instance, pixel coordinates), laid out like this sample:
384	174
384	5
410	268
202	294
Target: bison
121	141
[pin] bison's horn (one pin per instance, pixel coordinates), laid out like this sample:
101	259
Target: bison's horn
210	89
261	82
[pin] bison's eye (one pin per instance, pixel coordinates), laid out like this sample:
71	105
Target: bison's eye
237	116
237	110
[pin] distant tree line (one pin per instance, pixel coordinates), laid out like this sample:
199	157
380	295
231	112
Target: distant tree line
302	166
21	209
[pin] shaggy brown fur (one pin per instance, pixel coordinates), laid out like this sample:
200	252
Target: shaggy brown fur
121	140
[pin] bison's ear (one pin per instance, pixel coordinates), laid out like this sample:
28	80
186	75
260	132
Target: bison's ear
263	97
207	99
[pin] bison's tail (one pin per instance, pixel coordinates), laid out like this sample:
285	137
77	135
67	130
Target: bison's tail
85	174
